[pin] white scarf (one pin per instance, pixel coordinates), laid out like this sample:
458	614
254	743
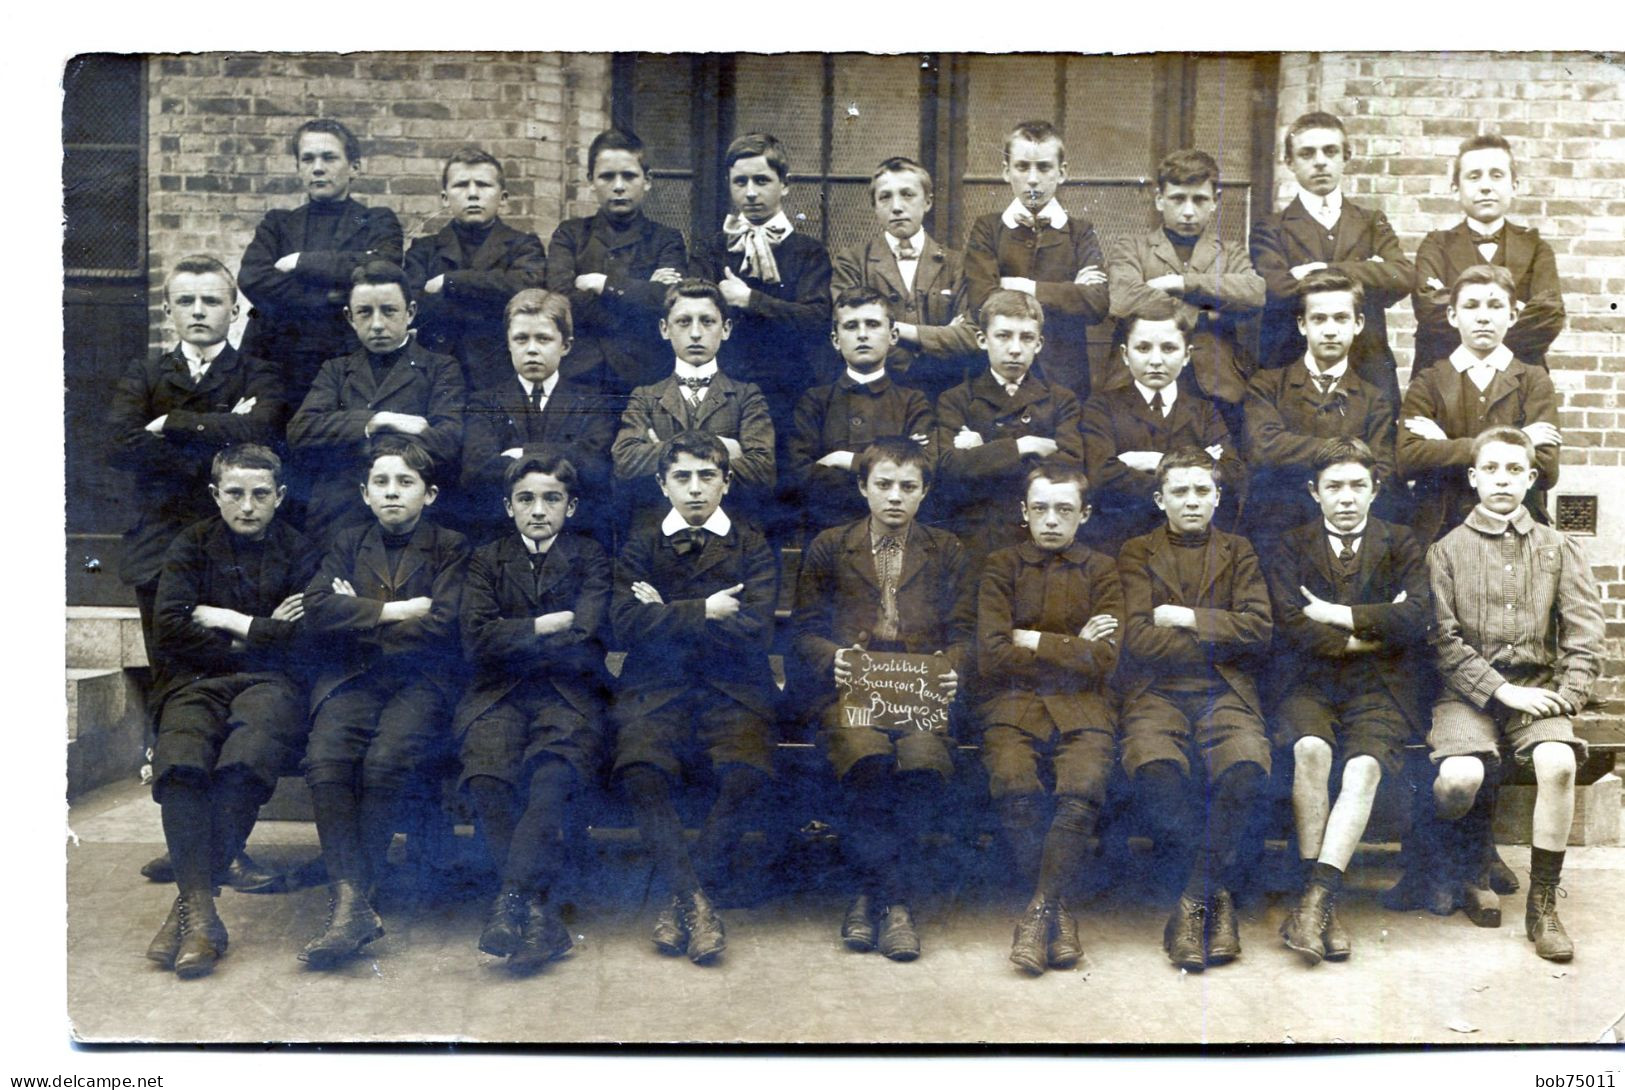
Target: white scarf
756	242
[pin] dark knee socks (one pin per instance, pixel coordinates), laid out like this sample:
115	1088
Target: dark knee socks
1066	845
738	786
1230	803
660	828
338	827
1021	817
494	806
886	811
237	797
186	809
537	852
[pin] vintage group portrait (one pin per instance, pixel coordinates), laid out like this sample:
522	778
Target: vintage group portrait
883	549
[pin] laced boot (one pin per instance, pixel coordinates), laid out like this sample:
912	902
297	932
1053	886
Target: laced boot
504	925
1065	950
203	936
351	924
706	936
1304	928
1184	936
1029	948
1541	924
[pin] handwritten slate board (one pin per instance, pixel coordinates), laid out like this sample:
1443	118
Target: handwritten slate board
897	692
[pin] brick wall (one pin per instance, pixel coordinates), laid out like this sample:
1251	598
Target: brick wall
218	126
1565	117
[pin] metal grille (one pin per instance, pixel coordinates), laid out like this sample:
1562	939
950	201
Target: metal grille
1223	121
1111	116
1577	514
103	166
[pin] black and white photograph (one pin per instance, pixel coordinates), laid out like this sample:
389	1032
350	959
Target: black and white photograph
1082	548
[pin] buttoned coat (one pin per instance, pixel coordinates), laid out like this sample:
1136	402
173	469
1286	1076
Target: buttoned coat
579	422
1363	247
1443	255
297	318
838	602
329	432
1520	395
502	597
1053	594
846	415
1052	258
464	318
345	628
730	407
617	329
671	649
983	484
1221	290
1389	563
1233	620
203	567
172	465
947	350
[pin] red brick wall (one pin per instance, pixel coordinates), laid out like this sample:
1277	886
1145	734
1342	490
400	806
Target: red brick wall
1565	117
218	126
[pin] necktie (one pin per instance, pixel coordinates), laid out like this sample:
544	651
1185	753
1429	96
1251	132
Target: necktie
905	251
1027	219
1010	388
1323	383
1324	213
1157	405
536	398
888	565
694	389
1345	551
691	539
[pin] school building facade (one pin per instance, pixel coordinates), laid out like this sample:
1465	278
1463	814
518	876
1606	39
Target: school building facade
170	155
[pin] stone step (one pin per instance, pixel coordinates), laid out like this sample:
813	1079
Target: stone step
105	636
1596	813
105	728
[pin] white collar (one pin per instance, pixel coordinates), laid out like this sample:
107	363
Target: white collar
1312	201
862	379
917	241
1169	393
1480	230
1052	211
204	356
1358	531
548	385
689	370
1463	359
532	548
719	523
1336	371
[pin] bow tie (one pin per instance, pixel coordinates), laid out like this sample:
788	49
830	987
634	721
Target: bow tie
906	251
1027	219
696	384
687	540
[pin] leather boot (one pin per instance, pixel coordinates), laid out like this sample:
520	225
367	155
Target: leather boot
858	925
1029	947
1065	950
504	924
1224	933
706	938
1480	902
1184	937
1304	928
167	941
1336	936
203	936
669	935
1541	925
545	937
351	924
899	941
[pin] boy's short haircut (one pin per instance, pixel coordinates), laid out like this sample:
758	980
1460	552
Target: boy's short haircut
1479	143
1498	275
404	447
1188	166
1504	434
695	287
862	295
1188	458
546	304
1056	471
897	164
892	448
1342	450
245	456
202	265
753	144
1008	303
615	140
1036	132
697	444
379	271
550	463
470	156
352	146
1317	119
1324	280
1162	309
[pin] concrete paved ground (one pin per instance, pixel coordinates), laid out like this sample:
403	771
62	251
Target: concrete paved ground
785	978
